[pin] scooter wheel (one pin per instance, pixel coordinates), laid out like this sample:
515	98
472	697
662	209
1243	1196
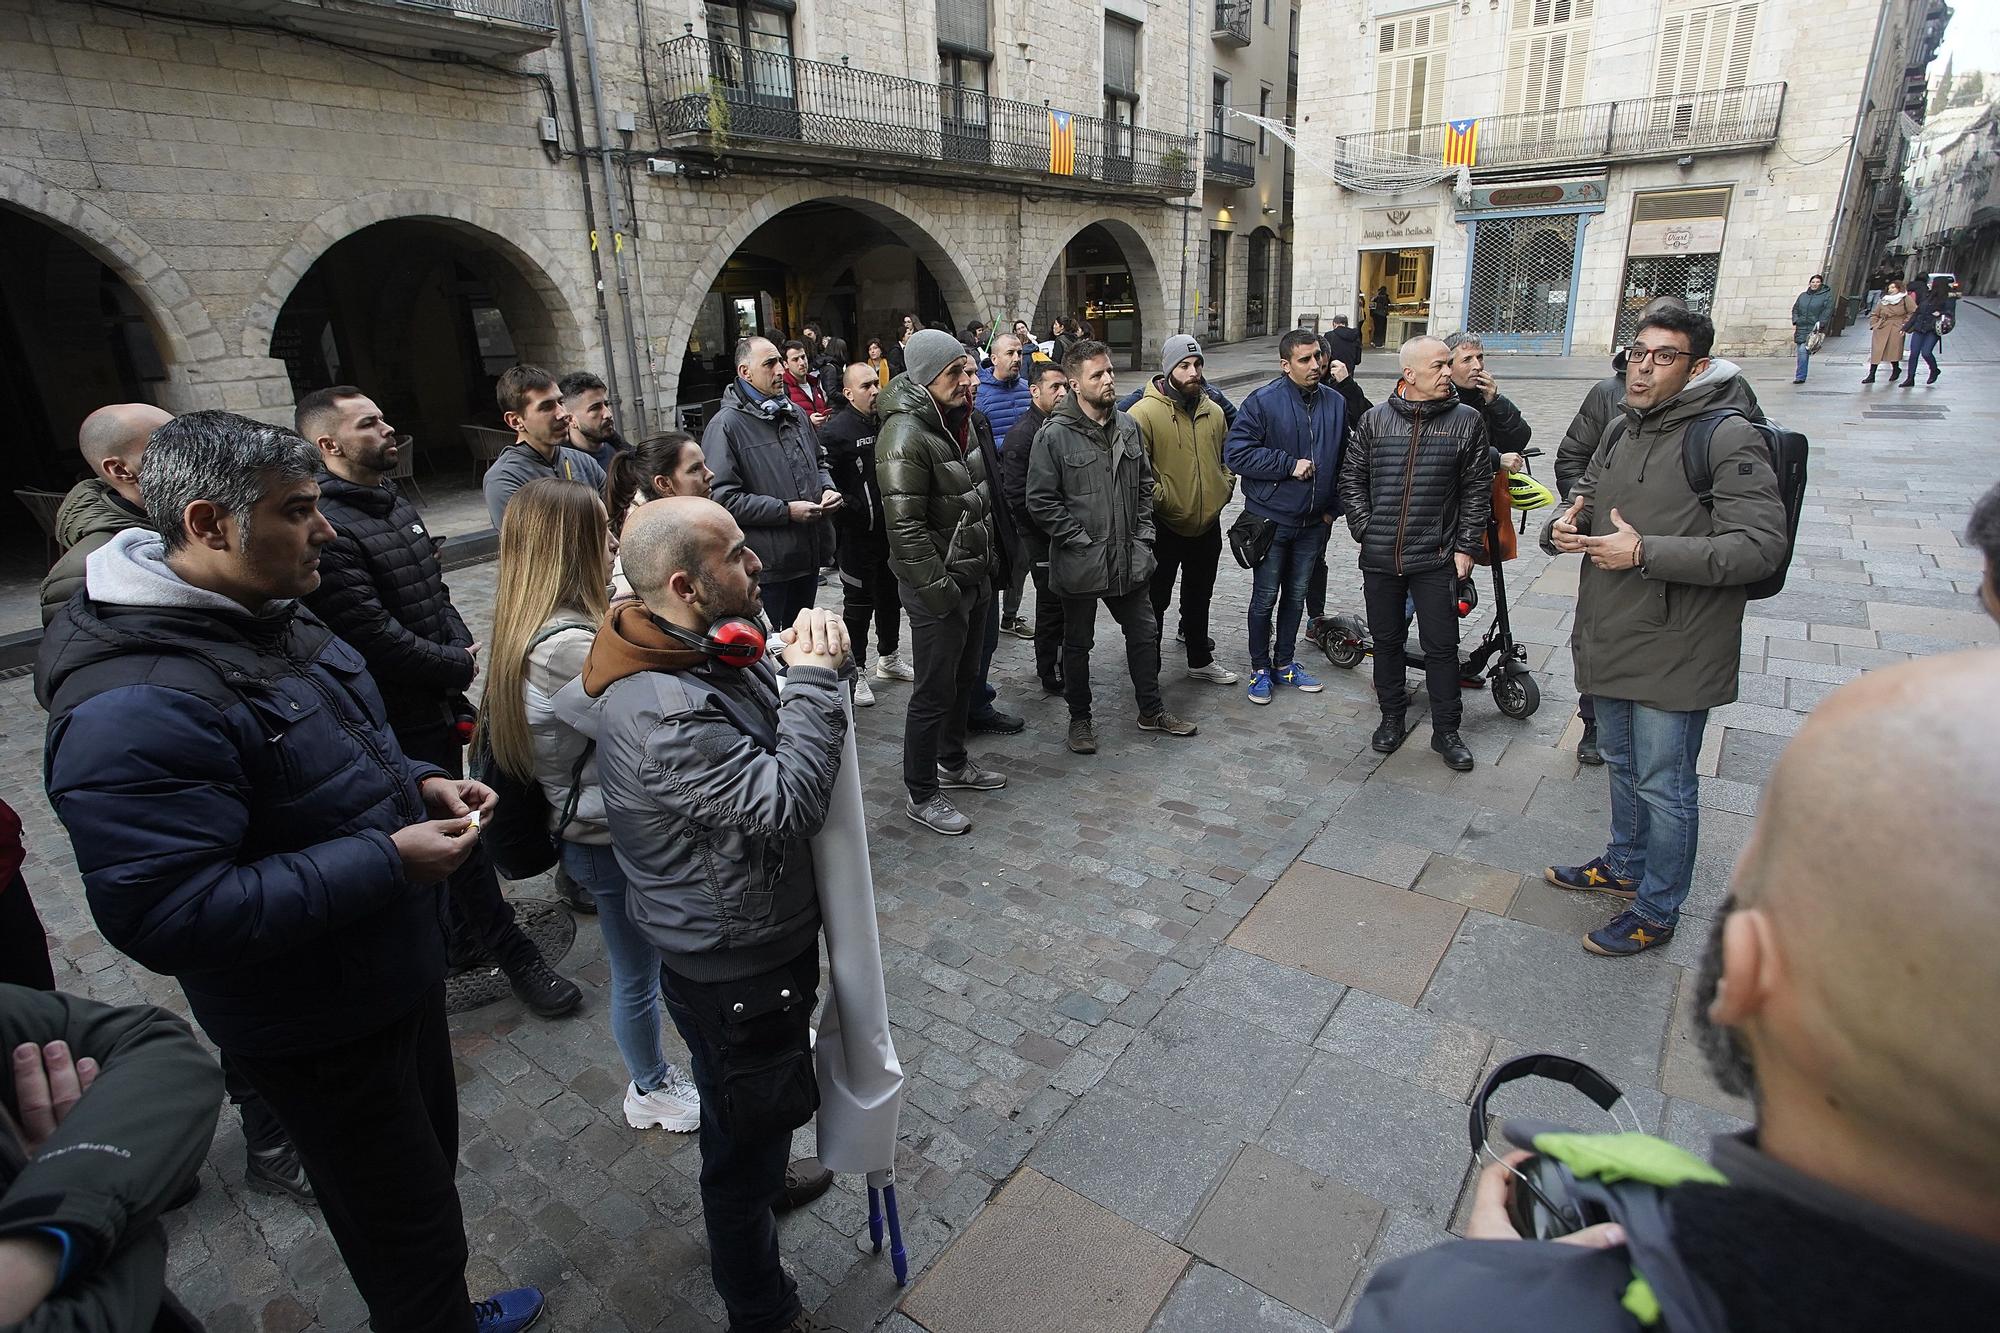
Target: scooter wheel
1345	653
1517	694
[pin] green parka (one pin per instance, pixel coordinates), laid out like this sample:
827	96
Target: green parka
937	500
1090	489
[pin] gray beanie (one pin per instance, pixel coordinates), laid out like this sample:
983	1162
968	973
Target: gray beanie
928	352
1176	350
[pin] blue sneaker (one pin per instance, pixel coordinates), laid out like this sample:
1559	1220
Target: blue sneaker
1296	677
1260	686
507	1311
1626	934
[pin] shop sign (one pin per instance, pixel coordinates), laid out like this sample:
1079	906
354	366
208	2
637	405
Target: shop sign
1398	224
1536	195
1676	236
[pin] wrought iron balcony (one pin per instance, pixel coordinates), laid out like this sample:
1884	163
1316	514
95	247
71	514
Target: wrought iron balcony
1724	121
718	99
1231	160
471	27
1232	22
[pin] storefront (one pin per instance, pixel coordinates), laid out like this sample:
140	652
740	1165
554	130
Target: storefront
1674	249
1397	256
1526	252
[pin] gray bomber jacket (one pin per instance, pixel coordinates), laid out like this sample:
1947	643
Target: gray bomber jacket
713	786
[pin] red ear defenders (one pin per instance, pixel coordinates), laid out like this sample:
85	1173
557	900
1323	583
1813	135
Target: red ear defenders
732	641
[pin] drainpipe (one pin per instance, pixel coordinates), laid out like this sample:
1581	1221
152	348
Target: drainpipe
1180	297
589	208
614	209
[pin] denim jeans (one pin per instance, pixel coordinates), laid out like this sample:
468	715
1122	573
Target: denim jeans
1655	818
635	964
1280	582
741	1177
1805	356
1923	346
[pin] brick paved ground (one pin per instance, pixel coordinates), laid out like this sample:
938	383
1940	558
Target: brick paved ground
1208	1009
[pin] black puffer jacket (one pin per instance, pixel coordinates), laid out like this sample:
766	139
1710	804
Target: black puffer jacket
1416	484
1506	429
381	589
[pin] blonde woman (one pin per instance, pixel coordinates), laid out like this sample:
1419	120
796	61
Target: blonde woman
555	566
1885	322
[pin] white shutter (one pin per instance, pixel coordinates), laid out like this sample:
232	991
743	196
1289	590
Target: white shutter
1409	70
1548	55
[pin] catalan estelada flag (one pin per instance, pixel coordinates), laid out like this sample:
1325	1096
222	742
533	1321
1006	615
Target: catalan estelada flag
1062	144
1461	143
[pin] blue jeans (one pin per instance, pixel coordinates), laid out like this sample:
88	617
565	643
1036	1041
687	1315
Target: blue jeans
635	965
1280	582
1923	345
1805	356
1655	818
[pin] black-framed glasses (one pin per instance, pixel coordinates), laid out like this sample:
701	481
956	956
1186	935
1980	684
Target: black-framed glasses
1659	356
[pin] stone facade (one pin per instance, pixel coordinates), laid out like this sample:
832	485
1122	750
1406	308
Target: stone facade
210	161
1793	204
1230	205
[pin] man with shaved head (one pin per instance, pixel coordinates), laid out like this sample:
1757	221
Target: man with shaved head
1416	484
713	785
100	507
1853	1000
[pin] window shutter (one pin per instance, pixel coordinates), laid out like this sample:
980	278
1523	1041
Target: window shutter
1409	70
964	25
1547	55
1121	56
1705	48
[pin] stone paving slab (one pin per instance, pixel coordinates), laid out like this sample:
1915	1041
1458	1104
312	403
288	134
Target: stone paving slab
1351	930
1209	1299
1287	1231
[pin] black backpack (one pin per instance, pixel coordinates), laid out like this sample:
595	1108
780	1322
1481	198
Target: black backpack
519	836
1787	450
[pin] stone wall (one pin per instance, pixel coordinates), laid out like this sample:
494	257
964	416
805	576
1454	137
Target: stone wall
211	164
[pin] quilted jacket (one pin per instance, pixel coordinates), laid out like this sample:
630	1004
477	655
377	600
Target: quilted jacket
1417	484
936	496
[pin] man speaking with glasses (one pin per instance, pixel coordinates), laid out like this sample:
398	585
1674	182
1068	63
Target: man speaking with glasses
1659	613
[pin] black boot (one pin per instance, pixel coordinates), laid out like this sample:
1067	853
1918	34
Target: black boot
1388	737
1930	379
1871	374
1895	371
536	983
1453	750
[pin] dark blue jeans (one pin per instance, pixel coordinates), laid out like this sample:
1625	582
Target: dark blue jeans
1655	807
741	1178
1923	346
1280	583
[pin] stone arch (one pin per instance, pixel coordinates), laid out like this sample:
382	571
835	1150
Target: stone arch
539	269
179	320
1148	287
912	223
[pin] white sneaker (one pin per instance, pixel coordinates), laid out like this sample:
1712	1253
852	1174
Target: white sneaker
675	1105
891	666
1214	673
863	696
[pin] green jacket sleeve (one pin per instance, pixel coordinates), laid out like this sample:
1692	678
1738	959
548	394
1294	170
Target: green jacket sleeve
130	1145
1046	503
1748	541
903	475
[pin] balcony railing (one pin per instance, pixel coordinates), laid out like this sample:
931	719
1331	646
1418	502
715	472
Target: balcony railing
471	27
1232	22
1230	159
1650	127
722	99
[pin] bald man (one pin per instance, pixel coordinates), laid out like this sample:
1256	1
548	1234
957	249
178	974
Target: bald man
97	509
713	785
1854	1000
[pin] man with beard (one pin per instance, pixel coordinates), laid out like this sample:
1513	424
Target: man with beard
1183	433
868	589
592	428
382	590
531	403
1853	1004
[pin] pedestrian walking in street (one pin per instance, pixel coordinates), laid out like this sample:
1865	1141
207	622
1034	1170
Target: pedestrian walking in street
1417	487
713	786
1811	310
1659	615
1286	445
592	427
1887	320
531	403
244	821
1047	386
867	585
1933	319
1183	433
765	455
382	590
108	1113
1854	1014
1090	490
549	598
937	501
112	440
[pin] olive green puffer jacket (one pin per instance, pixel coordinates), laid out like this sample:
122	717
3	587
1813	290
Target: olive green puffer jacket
936	499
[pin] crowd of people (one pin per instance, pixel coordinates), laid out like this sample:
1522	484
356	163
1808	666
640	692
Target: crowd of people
256	683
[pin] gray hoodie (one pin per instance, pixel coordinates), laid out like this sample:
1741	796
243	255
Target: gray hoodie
519	464
132	570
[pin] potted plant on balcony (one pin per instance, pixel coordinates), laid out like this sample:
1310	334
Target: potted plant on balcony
718	116
1174	163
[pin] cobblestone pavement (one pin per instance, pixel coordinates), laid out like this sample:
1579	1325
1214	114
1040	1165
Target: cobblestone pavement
1190	1024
